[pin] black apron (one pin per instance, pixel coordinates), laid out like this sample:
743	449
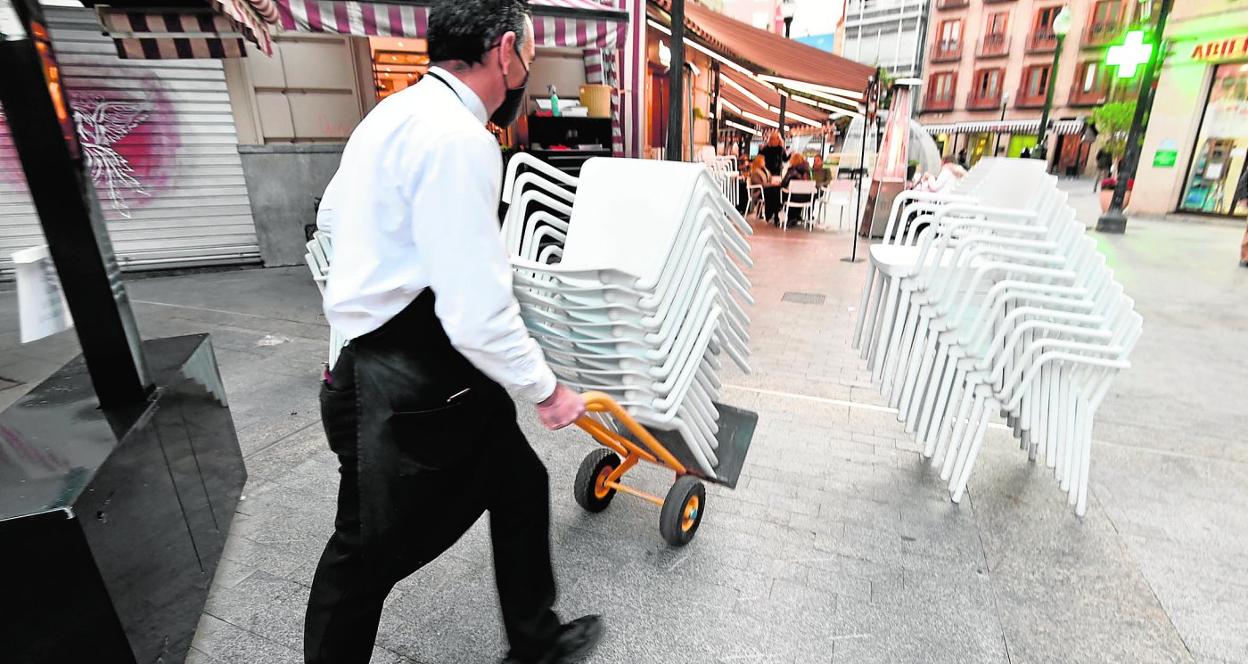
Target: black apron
407	402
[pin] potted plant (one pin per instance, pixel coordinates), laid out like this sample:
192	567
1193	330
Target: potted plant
1107	192
1113	122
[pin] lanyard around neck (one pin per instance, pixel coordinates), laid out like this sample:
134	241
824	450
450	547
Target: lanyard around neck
450	87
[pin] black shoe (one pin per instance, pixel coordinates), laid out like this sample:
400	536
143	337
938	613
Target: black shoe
575	640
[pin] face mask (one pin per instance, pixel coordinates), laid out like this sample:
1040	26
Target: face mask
509	110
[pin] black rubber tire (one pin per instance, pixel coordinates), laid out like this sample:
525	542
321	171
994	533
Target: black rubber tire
585	487
673	525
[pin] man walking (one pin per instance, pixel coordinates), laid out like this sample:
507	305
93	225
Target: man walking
417	408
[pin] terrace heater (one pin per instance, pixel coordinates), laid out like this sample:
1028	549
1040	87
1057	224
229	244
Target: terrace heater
888	178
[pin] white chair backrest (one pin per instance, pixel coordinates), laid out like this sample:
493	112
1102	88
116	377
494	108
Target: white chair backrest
627	214
802	187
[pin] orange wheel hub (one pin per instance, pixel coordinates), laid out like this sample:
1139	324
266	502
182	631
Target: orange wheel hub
600	483
691	514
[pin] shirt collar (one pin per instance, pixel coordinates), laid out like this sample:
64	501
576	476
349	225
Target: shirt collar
470	98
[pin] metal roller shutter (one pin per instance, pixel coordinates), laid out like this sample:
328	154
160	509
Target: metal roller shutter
164	155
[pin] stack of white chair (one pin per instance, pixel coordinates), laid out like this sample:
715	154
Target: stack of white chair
539	200
646	301
993	299
317	259
723	168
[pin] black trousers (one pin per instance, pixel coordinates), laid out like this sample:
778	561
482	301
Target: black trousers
426	445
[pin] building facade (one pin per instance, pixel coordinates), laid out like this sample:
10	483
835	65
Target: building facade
887	33
1196	144
988	67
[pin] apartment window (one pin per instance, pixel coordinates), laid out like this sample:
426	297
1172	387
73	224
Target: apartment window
1035	82
1089	86
951	31
1045	17
1042	36
940	90
949	40
988	83
996	39
996	23
1106	21
1089	77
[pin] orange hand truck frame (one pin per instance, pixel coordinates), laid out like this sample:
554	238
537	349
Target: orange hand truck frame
602	471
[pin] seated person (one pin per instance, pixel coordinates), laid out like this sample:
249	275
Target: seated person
799	169
821	175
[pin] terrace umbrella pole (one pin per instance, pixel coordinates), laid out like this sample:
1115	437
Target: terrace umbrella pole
676	85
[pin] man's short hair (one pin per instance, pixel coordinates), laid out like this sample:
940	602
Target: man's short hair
465	29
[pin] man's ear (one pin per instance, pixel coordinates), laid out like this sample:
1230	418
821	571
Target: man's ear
507	51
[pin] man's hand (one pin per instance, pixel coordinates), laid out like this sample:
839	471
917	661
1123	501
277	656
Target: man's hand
561	408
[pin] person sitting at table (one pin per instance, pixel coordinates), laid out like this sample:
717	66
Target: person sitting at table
819	173
757	175
799	169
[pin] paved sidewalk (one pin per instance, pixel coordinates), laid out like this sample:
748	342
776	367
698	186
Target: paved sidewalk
839	545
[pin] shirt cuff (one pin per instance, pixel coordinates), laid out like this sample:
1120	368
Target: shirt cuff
541	389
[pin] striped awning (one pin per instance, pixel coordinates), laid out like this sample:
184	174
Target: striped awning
562	23
759	105
1004	127
214	30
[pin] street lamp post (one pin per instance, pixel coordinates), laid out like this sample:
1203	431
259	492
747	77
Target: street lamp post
787	9
1061	27
996	144
1114	221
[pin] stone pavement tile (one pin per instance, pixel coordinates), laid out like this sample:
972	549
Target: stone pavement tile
917	630
1063	585
446	612
278	457
1203	503
219	641
262	431
1204	592
800	621
265	605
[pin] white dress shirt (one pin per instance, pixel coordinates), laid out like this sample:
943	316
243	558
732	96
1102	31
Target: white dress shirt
414	205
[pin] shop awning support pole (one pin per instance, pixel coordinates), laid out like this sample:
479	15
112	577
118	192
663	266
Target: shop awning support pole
1114	220
676	85
715	108
862	168
784	107
44	133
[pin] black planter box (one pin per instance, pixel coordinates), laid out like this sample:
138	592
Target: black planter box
112	523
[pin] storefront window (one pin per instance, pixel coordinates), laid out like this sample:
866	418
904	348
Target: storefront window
397	64
1218	160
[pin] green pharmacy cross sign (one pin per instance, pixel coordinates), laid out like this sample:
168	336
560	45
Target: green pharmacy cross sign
1130	54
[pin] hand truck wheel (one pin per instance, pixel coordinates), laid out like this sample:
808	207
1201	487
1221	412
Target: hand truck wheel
682	510
590	491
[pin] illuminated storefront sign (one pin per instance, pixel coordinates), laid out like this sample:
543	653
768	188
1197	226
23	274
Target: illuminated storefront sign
1221	49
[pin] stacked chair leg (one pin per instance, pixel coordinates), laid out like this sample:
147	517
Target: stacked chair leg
988	300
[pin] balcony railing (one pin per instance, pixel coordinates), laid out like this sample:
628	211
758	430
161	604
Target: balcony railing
952	4
1042	40
947	50
1026	99
938	102
978	102
1100	33
994	2
994	44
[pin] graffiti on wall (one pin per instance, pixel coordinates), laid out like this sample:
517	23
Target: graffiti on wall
102	124
129	141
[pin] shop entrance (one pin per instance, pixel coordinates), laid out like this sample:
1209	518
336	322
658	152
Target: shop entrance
1219	167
